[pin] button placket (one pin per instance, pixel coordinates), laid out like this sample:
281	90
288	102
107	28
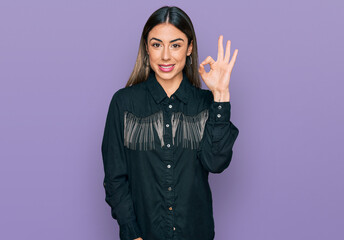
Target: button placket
168	107
167	120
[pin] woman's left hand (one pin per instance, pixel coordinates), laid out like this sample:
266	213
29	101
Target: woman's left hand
217	79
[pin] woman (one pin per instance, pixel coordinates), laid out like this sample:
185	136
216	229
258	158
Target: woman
164	134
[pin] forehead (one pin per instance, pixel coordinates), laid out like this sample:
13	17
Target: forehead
166	32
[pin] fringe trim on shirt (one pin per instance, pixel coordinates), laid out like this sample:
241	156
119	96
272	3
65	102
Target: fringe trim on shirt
188	130
140	131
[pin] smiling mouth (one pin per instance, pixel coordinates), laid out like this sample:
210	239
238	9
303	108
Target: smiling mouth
166	66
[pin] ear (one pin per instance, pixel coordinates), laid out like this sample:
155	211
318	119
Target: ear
190	48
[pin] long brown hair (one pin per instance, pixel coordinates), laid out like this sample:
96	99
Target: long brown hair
180	20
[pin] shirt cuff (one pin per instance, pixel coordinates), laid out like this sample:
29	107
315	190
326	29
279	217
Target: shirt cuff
130	231
220	111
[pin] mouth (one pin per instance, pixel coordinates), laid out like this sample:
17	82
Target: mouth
166	67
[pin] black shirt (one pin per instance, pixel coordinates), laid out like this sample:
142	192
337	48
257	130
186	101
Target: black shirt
157	154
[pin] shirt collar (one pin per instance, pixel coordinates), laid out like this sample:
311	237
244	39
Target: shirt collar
159	93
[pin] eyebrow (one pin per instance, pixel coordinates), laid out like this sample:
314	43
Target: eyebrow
170	41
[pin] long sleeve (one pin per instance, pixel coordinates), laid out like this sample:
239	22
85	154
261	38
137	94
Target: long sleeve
116	183
215	152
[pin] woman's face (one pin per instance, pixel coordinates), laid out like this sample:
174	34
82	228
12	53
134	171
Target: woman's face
166	46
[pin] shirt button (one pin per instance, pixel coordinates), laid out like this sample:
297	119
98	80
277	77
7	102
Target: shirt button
170	106
168	145
168	166
219	107
174	228
219	115
167	125
172	97
169	188
170	208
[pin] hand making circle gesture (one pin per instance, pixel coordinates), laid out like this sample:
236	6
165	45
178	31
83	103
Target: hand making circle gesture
217	79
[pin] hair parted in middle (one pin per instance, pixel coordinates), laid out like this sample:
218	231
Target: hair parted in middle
177	17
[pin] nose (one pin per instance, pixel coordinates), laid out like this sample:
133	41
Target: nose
165	53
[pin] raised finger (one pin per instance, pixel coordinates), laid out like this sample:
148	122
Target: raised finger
220	48
235	54
228	51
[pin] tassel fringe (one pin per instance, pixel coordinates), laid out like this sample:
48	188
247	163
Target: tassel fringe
186	130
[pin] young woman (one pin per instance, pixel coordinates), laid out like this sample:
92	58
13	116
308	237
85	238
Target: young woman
164	134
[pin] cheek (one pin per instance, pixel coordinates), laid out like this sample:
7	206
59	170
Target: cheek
153	57
179	57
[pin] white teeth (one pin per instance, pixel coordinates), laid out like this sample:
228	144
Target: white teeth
166	67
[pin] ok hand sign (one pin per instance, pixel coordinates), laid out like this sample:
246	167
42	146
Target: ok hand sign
217	79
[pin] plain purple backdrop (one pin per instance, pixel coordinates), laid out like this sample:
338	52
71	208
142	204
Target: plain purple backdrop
61	61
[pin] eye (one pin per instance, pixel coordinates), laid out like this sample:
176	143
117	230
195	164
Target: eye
155	44
177	45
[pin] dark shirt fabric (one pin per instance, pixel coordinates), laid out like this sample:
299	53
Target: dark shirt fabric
157	154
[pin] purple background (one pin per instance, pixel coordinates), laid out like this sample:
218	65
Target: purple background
61	61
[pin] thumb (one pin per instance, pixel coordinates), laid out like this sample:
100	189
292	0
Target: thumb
201	69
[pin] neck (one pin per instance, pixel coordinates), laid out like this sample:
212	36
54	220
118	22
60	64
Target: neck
170	85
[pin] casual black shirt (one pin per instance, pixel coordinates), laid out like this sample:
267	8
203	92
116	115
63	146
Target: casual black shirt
157	154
